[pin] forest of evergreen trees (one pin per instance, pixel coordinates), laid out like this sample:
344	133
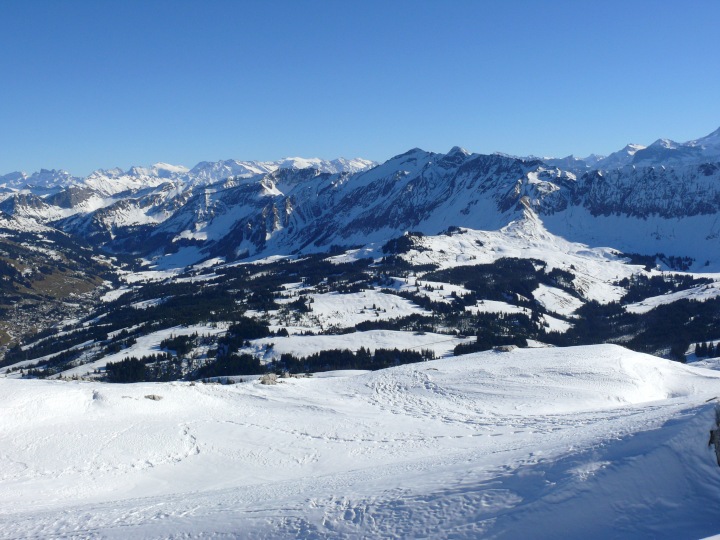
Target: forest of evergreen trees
667	330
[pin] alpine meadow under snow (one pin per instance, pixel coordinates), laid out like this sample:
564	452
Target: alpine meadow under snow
439	346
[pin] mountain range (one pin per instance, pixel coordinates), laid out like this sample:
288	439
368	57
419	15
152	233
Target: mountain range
462	339
663	198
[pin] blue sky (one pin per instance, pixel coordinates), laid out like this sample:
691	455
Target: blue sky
98	84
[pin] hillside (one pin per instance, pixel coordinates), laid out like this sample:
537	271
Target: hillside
584	441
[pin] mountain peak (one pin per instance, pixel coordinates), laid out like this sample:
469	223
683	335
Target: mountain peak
170	168
664	143
458	150
631	148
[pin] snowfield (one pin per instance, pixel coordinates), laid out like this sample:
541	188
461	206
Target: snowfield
346	310
595	269
298	345
145	345
700	293
592	442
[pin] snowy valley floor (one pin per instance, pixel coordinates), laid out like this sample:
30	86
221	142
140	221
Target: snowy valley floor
591	442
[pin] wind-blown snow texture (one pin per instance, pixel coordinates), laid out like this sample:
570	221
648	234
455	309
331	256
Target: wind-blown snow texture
597	442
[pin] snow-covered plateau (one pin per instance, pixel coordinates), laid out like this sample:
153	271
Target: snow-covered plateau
592	442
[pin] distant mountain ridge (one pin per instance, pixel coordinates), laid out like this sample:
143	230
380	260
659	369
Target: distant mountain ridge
661	152
203	172
660	198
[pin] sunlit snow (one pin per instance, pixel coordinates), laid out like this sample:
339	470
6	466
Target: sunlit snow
593	442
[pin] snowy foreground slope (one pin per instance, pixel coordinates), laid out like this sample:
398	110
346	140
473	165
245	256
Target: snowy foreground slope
598	442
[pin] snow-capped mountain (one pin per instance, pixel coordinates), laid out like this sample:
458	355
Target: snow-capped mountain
41	182
666	152
211	172
572	163
620	158
116	180
663	198
50	195
663	152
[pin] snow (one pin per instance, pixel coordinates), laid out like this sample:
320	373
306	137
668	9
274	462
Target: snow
708	363
434	290
692	236
131	214
346	310
149	275
146	345
700	293
353	255
556	300
495	306
556	325
595	269
113	295
175	169
22	224
298	345
144	304
334	166
209	263
594	442
196	279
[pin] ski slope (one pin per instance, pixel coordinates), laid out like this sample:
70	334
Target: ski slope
592	442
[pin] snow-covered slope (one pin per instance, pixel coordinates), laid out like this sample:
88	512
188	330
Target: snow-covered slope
595	270
20	224
596	442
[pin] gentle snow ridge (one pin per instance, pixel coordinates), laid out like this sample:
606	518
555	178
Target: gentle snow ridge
595	442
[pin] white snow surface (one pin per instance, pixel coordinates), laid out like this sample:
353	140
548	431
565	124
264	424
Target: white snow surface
146	345
495	306
114	294
595	269
700	293
21	224
557	300
347	310
299	345
593	442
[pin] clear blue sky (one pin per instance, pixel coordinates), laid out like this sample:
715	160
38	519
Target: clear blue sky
98	84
